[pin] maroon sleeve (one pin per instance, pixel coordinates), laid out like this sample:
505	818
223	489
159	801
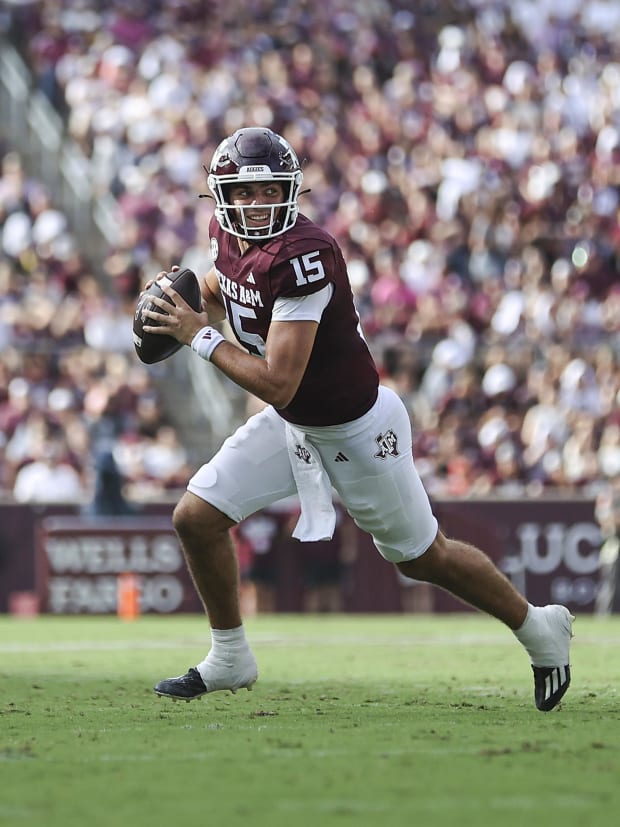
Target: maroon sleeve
303	267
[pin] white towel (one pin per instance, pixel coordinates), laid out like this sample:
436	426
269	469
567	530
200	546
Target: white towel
318	515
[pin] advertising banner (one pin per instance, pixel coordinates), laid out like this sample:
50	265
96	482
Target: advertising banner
83	565
71	564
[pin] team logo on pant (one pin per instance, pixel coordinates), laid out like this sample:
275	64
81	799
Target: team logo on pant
388	445
303	454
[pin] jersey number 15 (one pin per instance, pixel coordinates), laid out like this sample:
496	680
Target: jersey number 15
308	268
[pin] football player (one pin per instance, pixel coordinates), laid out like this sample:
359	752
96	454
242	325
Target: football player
281	281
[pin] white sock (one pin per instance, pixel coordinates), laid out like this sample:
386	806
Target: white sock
546	644
230	663
225	641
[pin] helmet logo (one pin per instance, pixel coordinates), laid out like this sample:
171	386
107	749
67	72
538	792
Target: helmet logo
287	159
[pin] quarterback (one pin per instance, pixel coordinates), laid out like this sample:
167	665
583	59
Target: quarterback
281	282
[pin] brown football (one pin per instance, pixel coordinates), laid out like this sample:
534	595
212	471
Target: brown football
152	347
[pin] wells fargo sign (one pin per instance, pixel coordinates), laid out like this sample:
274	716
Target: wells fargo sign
81	563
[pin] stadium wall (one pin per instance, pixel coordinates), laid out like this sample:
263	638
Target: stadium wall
56	560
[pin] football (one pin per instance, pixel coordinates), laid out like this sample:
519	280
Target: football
152	347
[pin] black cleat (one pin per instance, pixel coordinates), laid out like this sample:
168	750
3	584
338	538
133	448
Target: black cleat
550	685
184	688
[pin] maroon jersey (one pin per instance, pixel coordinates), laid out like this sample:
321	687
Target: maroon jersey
341	380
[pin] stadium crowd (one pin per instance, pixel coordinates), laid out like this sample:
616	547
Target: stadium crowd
465	154
70	384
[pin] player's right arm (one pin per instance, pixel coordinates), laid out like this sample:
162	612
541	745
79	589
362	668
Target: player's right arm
275	378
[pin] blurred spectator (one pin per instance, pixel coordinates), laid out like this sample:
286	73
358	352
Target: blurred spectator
608	517
109	499
324	565
255	538
67	363
49	477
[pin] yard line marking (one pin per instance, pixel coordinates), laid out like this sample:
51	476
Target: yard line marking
260	640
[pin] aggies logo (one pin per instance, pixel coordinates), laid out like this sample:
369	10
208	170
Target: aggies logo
303	454
388	445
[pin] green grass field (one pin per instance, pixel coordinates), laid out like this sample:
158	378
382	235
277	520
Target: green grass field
355	720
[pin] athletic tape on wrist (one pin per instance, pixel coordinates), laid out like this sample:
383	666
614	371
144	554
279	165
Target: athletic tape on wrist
205	342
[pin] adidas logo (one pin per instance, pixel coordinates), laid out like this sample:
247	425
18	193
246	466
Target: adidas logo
550	685
340	457
251	279
554	680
